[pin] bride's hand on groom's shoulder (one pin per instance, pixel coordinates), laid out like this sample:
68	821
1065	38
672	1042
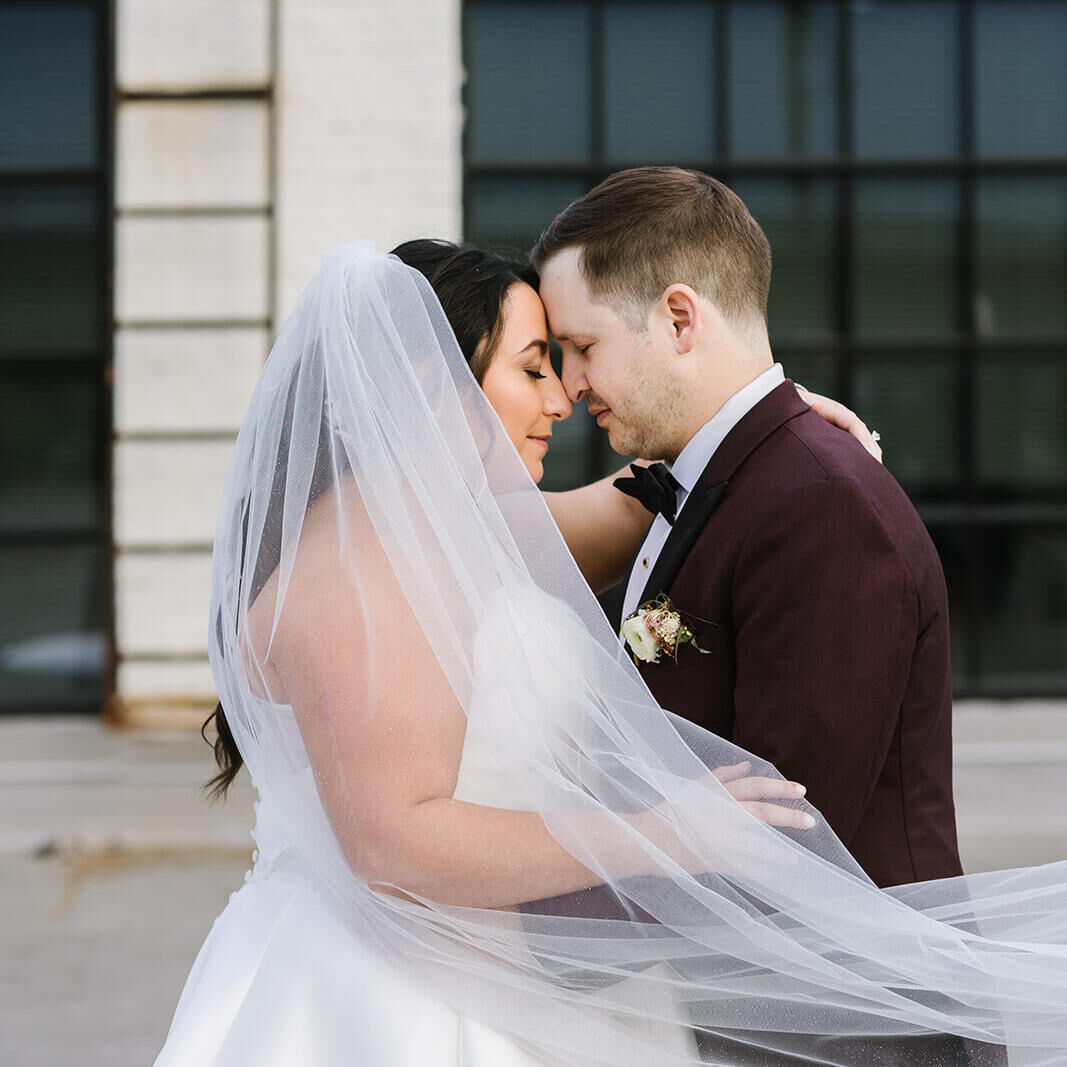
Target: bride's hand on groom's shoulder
845	418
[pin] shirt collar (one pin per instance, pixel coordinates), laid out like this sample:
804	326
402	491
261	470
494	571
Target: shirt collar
696	455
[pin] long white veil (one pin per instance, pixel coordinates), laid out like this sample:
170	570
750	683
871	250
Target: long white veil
370	466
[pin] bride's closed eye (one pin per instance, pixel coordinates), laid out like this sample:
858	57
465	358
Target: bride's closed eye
537	375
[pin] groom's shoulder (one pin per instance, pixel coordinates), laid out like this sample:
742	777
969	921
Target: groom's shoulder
808	453
807	448
808	456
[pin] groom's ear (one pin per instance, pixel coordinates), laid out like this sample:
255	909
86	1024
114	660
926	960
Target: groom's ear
684	314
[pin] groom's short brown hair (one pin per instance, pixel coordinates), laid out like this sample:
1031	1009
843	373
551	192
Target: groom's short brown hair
644	229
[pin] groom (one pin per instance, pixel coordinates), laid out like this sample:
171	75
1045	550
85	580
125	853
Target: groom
793	556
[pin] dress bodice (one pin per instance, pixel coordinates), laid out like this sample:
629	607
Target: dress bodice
523	720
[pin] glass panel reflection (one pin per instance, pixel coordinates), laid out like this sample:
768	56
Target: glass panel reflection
1021	76
49	428
52	650
799	217
511	213
1022	265
1022	435
48	86
49	270
906	277
906	69
911	400
783	80
659	96
814	370
528	94
1024	615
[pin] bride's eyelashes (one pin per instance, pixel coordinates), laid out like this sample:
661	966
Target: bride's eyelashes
536	375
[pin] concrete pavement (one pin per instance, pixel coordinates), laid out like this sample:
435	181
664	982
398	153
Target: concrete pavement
112	866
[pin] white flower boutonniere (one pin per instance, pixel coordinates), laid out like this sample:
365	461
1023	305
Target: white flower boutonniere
656	628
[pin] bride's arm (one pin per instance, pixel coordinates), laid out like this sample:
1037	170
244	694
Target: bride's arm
384	733
604	528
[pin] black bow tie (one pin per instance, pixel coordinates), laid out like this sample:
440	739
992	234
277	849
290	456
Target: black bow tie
655	487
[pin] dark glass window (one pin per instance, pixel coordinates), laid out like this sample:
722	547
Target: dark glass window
509	212
49	430
1020	78
49	86
910	398
906	274
661	95
517	113
50	272
800	219
1021	233
905	63
1022	429
54	643
908	161
782	89
1024	610
54	422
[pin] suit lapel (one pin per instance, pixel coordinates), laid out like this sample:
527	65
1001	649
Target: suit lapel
777	407
686	529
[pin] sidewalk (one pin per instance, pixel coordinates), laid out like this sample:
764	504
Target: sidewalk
112	866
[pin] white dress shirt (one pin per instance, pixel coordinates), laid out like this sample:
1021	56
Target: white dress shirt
688	468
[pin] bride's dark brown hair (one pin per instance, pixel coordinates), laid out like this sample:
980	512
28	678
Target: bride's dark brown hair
471	285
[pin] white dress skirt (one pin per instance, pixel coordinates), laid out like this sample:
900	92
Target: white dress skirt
282	982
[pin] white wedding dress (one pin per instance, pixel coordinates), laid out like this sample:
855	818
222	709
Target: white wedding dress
283	981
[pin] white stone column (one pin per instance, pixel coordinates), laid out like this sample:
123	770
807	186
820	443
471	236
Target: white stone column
193	270
369	121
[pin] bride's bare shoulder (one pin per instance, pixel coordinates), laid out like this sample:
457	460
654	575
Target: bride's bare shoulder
315	585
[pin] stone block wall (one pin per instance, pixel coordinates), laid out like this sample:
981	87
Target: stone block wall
194	237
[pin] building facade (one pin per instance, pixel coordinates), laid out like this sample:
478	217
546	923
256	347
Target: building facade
172	170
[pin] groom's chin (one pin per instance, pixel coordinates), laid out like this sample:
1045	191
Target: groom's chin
619	442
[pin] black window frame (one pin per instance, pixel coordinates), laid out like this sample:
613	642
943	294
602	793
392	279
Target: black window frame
971	510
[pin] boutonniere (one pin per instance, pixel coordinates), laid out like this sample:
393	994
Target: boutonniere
656	629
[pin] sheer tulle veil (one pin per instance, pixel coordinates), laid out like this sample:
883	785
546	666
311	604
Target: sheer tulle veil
370	454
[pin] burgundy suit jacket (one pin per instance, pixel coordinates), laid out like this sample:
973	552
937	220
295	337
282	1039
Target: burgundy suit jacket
801	565
803	568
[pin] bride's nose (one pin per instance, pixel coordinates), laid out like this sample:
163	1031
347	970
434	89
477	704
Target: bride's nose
557	403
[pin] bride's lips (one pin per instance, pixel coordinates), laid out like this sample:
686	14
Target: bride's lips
540	440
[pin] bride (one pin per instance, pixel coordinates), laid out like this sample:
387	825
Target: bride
443	731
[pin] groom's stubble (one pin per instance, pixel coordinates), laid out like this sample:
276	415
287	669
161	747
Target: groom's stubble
648	411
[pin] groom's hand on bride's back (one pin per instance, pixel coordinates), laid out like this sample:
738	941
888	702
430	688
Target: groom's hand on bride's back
771	800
